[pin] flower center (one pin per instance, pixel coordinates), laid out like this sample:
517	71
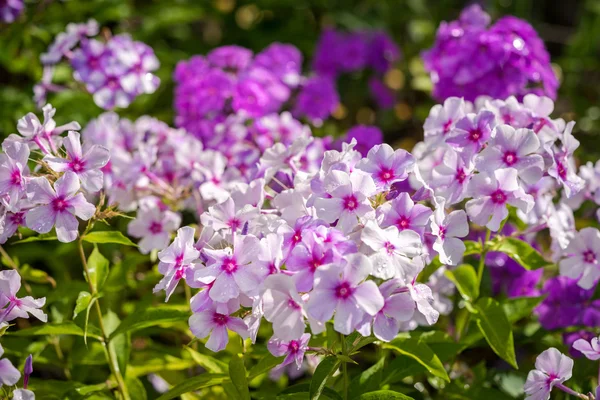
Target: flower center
562	170
155	227
314	264
220	319
15	177
180	272
389	247
498	197
589	257
475	135
460	175
386	174
403	223
229	265
343	290
297	238
234	223
350	202
293	346
59	204
446	126
293	304
17	218
77	165
442	232
510	158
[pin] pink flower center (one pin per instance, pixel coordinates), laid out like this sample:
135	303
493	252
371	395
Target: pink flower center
155	227
17	218
180	272
460	175
343	290
350	203
297	238
315	263
510	158
446	126
293	304
229	265
59	204
498	197
589	257
15	177
112	83
386	174
77	165
389	247
550	379
403	223
293	346
220	319
442	232
475	135
562	170
234	223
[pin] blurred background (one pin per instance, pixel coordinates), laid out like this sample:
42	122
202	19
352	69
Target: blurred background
182	28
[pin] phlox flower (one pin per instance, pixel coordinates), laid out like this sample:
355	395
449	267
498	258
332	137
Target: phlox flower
216	323
306	258
283	306
551	368
177	260
582	258
443	118
447	229
33	131
563	167
491	193
293	349
23	394
450	177
398	307
228	216
154	225
471	133
271	253
11	306
12	221
343	290
13	172
403	213
9	375
590	349
387	166
57	206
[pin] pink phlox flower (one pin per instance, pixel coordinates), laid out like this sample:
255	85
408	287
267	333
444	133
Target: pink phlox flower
450	177
471	133
563	166
306	258
293	349
11	306
9	375
398	307
551	368
403	213
590	349
387	166
283	306
154	224
443	118
33	131
13	173
216	323
448	228
229	216
582	260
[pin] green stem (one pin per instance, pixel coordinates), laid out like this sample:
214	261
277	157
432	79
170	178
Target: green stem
111	357
344	366
484	251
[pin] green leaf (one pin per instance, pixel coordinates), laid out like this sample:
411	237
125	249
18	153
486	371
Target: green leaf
367	381
39	238
496	328
520	251
209	363
62	328
102	237
98	267
324	370
192	384
119	344
465	279
517	308
355	341
265	364
88	389
35	275
302	388
400	368
82	303
237	373
346	359
384	395
421	352
136	389
151	317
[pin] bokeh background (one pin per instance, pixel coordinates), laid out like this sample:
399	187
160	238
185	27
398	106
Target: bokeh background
178	29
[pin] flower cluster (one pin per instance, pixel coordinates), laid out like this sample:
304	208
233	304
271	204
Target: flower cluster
115	71
470	59
10	10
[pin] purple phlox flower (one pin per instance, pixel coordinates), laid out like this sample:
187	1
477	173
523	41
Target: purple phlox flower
228	216
282	158
283	306
306	258
175	260
293	349
34	131
216	323
352	51
491	194
443	118
10	10
233	58
450	178
561	223
510	278
335	240
27	370
569	338
326	60
589	348
382	94
542	193
291	204
294	235
233	271
154	225
551	368
283	60
393	251
251	98
398	307
403	213
57	206
383	52
563	167
9	375
274	128
516	149
471	133
252	194
13	173
271	252
366	137
387	166
474	17
12	221
86	165
318	98
343	290
581	260
67	40
348	198
448	228
11	306
23	394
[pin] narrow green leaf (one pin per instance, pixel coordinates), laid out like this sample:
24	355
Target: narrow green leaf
496	328
367	381
82	303
62	328
39	238
192	384
119	344
265	364
31	274
520	251
98	267
151	317
345	358
384	395
465	279
102	237
136	389
237	373
401	367
324	370
421	352
89	389
209	363
302	388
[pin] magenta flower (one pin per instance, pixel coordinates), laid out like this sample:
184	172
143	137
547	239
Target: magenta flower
398	307
471	133
563	167
154	225
293	350
57	206
230	57
306	258
283	306
582	258
450	178
387	166
343	290
551	368
492	193
86	165
317	99
348	199
9	375
366	137
13	170
11	306
447	230
228	216
176	261
12	221
403	213
516	149
232	272
443	118
216	323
